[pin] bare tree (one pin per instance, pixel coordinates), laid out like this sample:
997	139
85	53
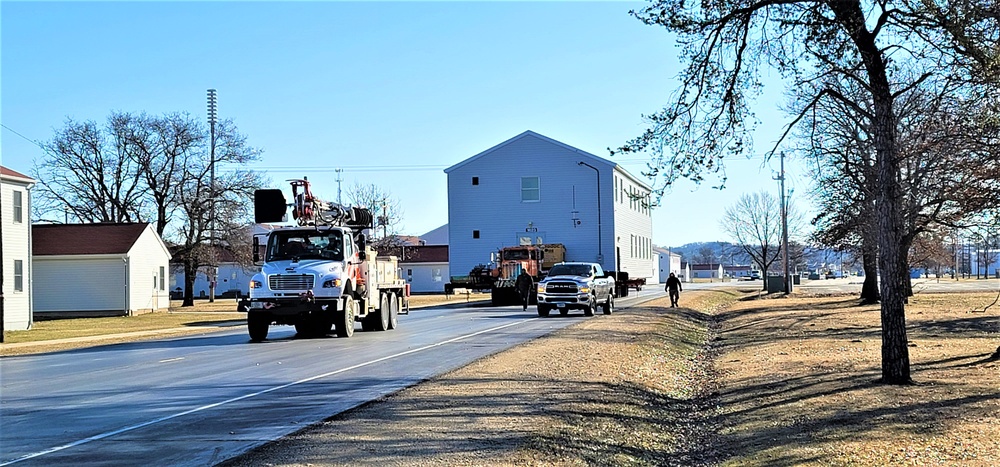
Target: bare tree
754	222
387	210
87	174
706	255
814	41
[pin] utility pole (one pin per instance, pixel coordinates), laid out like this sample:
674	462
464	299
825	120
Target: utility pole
213	268
339	170
784	227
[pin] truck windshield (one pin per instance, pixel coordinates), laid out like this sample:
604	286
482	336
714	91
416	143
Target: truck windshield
570	270
327	244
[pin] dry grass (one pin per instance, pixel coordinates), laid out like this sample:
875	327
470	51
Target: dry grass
800	384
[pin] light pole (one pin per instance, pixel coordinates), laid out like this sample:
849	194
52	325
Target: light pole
213	268
600	246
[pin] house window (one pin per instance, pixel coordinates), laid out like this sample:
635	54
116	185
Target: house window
163	278
475	234
18	275
529	189
475	180
18	217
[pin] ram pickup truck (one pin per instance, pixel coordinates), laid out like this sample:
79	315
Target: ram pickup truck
581	286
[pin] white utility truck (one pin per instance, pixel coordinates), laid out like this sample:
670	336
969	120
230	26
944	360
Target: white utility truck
320	275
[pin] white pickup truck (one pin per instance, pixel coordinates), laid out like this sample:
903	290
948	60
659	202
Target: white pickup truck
581	286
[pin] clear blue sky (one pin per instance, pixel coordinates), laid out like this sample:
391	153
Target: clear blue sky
392	93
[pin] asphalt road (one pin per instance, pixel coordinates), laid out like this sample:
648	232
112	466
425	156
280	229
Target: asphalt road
200	400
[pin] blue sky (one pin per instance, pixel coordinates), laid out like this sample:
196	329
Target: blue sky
392	93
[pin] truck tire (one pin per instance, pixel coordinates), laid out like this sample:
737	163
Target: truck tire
257	325
393	311
543	310
588	309
344	320
378	320
609	305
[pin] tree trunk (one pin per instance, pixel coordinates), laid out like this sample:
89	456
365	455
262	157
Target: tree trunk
869	290
190	273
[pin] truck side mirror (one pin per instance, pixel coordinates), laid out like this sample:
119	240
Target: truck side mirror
256	249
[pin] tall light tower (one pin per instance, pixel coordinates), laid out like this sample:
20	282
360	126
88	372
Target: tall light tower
213	268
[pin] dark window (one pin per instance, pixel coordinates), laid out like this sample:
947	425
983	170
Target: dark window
18	275
475	234
475	180
18	207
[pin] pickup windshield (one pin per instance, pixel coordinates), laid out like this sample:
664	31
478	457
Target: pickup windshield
299	245
570	270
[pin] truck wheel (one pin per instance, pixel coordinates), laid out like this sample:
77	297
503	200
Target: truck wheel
588	310
257	325
344	322
393	311
379	320
609	305
543	311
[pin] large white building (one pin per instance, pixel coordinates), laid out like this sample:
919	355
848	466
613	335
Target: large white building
15	229
533	189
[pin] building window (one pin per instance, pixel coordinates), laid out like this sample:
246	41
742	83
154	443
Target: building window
529	189
18	207
18	275
475	180
163	278
475	234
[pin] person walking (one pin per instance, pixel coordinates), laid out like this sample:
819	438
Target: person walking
523	285
674	288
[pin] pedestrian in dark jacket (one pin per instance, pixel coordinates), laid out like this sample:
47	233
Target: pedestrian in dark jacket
674	288
523	285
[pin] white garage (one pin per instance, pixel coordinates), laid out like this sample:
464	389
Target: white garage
99	270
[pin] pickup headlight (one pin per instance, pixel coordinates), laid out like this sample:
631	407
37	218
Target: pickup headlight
331	283
256	284
584	289
540	289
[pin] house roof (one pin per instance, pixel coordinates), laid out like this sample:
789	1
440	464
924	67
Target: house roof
8	173
84	239
422	254
705	267
532	134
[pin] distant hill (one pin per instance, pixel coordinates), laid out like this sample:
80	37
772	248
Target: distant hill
699	252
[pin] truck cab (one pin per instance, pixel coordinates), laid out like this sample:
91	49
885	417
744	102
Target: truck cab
576	285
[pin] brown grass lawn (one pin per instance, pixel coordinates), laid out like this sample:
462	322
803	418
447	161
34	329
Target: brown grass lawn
798	384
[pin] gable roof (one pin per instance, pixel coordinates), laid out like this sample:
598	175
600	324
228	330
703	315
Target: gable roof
11	174
84	239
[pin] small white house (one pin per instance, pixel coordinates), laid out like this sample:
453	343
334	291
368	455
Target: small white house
15	229
705	271
233	280
99	270
668	262
425	267
532	189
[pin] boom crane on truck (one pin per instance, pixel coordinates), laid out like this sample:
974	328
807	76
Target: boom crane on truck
320	275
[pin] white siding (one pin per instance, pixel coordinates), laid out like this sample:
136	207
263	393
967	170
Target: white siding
231	277
66	284
425	277
633	226
146	257
494	206
16	246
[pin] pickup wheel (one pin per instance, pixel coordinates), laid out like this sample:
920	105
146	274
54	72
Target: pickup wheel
588	310
609	305
257	325
543	310
344	322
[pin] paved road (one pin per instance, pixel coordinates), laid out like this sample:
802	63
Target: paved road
200	400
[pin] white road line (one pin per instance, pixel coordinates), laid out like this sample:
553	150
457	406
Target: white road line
171	360
248	396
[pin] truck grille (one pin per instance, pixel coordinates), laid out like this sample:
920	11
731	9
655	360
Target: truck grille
291	282
561	287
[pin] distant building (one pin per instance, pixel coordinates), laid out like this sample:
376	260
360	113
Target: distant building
232	280
532	189
99	270
668	262
705	271
737	272
15	229
425	267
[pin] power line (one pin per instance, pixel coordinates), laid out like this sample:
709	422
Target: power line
36	143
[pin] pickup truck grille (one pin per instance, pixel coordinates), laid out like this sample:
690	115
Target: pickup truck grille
561	287
291	281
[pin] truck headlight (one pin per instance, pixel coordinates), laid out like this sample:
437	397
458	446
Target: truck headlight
256	284
584	289
331	283
540	289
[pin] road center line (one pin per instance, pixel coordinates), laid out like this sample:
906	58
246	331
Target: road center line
254	394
